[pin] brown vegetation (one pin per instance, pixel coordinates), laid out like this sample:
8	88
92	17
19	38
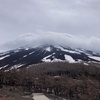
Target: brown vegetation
70	81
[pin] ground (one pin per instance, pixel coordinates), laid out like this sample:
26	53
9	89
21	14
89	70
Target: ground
18	94
5	94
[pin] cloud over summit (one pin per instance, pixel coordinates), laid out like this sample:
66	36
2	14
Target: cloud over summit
53	38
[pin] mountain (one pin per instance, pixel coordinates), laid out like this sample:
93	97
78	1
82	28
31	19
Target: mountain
25	56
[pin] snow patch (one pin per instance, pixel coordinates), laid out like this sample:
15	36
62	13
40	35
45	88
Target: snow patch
48	49
86	64
26	48
1	58
70	51
25	56
3	67
57	60
31	53
69	59
95	58
17	66
45	59
79	61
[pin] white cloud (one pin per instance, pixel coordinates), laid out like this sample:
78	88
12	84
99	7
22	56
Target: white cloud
46	37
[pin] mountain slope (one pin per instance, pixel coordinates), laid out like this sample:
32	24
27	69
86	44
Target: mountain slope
26	56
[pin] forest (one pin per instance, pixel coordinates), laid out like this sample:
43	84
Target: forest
72	81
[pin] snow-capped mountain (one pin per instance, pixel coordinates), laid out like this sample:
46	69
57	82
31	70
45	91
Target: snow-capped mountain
26	56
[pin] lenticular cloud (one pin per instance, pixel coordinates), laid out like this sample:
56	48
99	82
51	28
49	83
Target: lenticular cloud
53	38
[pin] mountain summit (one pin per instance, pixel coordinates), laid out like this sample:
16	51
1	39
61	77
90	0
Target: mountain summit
25	56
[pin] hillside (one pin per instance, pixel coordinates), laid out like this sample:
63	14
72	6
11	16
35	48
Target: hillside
26	56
